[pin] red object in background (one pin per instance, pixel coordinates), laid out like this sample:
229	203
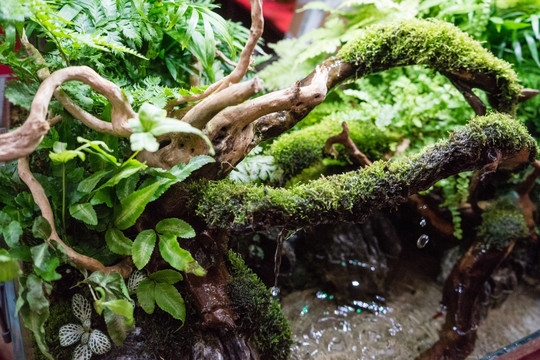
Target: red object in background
280	14
4	69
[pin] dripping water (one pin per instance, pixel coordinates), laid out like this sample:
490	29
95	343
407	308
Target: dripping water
422	241
277	261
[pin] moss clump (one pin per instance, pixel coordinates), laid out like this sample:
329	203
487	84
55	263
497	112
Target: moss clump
260	315
357	194
437	44
502	223
60	314
298	150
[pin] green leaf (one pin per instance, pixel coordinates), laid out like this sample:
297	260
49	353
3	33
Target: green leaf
170	300
12	233
84	212
62	156
143	246
120	307
102	196
143	141
126	186
182	171
88	184
40	255
112	283
129	168
49	272
133	205
9	267
531	43
167	276
176	227
177	257
41	228
146	295
37	312
117	242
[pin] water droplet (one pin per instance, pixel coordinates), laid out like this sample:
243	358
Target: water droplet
321	295
274	291
355	283
422	241
423	207
304	310
423	222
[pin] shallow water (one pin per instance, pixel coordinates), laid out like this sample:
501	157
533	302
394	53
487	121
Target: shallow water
400	327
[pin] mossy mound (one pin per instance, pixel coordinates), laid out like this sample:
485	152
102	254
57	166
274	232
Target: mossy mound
357	194
260	315
436	44
295	151
502	223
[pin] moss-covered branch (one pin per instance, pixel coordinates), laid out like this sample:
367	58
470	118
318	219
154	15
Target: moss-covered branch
355	195
440	46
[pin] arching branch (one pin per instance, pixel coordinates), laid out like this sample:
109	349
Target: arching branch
40	198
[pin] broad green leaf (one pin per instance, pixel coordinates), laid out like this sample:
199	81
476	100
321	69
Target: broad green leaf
176	227
40	255
112	283
88	184
49	272
129	168
126	186
9	267
149	116
120	307
117	242
182	171
102	196
177	257
167	276
61	155
116	327
133	205
100	148
531	43
170	300
143	246
192	24
146	295
143	141
36	312
41	228
84	212
12	233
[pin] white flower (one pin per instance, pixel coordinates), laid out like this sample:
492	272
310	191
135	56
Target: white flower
91	341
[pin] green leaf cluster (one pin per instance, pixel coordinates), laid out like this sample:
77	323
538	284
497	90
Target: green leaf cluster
159	289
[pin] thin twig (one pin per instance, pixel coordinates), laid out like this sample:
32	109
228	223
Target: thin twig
357	157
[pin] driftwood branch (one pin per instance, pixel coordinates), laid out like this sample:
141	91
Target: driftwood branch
22	141
40	198
242	67
356	156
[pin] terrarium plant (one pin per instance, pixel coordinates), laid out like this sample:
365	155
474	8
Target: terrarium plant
148	187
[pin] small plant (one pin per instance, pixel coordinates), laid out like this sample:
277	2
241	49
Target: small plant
92	341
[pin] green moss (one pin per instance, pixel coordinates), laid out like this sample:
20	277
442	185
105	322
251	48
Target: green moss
260	315
437	44
298	150
60	314
502	223
356	194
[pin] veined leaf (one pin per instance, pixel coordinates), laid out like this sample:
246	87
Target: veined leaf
41	228
177	257
12	233
84	212
117	242
175	227
170	300
88	184
143	246
120	307
167	276
146	295
40	255
133	205
129	168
